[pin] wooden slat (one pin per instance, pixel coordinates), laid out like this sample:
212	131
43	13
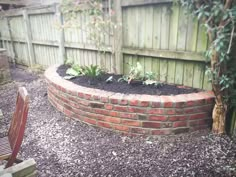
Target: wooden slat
188	74
182	31
156	27
142	2
165	27
171	71
163	70
190	56
174	20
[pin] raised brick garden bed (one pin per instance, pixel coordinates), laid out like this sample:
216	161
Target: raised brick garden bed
130	114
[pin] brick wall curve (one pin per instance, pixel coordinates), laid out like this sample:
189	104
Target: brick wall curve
130	114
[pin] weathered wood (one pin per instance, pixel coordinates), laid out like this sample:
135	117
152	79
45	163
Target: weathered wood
156	27
156	67
118	38
61	37
188	74
11	39
163	70
174	21
17	128
190	56
142	2
179	71
165	27
182	31
171	71
29	38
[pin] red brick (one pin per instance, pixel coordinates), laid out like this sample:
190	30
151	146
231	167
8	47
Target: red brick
87	96
156	111
166	102
104	124
120	108
161	132
127	115
151	125
121	128
180	104
139	130
124	102
90	121
112	120
101	111
190	110
113	113
133	102
177	118
158	118
180	124
170	111
156	104
104	99
144	103
131	123
95	97
114	101
63	89
81	95
96	105
190	103
136	110
199	116
67	107
68	112
108	106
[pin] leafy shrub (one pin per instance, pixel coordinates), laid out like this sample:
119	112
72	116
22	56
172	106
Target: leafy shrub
92	71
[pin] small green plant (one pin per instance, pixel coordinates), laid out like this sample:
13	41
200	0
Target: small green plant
92	71
75	70
150	75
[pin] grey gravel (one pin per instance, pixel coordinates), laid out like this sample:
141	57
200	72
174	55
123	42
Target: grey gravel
63	147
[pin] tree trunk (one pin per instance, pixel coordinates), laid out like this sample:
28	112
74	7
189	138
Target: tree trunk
218	116
220	108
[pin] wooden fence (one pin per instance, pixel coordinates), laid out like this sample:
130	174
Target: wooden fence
157	33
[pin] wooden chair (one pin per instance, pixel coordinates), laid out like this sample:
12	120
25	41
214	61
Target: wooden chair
10	145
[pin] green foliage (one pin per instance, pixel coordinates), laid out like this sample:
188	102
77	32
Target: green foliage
92	71
218	17
74	70
135	73
150	76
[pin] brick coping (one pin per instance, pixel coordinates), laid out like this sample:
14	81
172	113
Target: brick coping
130	113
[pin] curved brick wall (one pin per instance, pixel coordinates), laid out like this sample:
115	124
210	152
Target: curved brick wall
130	114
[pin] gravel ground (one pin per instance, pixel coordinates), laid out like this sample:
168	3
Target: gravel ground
64	147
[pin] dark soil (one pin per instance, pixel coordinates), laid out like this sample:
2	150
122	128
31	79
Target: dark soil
124	87
66	148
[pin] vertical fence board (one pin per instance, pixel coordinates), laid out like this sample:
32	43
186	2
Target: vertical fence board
156	27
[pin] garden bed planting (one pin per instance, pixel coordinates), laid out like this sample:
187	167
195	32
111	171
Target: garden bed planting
132	114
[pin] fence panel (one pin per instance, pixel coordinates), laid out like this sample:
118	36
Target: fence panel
159	35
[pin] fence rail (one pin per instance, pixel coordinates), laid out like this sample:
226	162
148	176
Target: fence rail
156	33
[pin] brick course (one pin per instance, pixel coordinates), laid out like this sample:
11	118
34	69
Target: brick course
133	114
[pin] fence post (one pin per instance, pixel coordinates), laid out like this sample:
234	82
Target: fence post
118	37
12	42
61	35
29	38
